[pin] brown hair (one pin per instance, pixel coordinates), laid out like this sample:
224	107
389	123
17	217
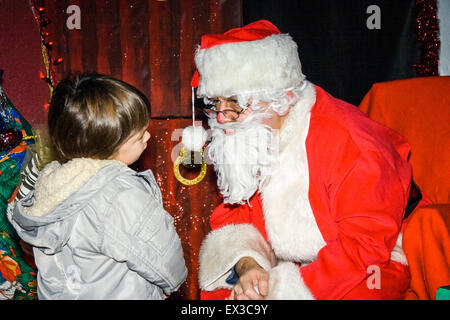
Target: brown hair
92	115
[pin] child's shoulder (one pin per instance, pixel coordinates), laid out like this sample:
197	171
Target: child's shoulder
127	178
125	184
129	198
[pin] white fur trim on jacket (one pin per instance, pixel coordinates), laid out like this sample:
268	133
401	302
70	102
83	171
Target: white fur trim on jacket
397	253
290	222
223	248
247	67
57	182
286	283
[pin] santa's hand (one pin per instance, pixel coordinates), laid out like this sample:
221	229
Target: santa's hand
253	281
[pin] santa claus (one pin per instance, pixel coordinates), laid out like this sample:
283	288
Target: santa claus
314	191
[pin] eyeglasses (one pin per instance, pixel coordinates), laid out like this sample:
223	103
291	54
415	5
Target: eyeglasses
211	110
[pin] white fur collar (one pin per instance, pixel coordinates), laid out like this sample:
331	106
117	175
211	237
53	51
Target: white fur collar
297	116
57	182
290	224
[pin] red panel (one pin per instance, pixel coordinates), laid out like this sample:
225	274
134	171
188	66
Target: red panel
75	45
104	33
89	36
164	35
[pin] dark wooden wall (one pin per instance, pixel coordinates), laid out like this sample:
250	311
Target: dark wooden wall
149	44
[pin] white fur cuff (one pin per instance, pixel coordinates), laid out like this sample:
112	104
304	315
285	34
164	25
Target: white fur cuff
286	283
223	248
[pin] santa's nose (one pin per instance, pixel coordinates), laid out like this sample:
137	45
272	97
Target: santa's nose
221	118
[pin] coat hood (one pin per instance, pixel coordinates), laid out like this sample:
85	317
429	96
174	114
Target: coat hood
46	216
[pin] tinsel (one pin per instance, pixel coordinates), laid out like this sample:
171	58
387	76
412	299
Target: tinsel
428	35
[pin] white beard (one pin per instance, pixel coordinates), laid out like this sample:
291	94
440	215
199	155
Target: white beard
242	160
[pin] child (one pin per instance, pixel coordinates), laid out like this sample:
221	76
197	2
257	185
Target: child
98	228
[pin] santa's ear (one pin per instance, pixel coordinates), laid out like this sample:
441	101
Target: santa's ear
290	94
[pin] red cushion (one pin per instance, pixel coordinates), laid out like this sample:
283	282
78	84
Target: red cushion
418	109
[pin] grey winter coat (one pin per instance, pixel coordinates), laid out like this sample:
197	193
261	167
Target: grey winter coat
100	231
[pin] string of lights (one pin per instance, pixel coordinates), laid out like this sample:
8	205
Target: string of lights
38	9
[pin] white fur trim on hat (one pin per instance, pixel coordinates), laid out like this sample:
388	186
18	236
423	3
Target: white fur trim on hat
247	67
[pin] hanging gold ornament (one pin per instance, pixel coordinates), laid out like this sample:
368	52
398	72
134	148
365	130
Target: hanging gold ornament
194	138
185	158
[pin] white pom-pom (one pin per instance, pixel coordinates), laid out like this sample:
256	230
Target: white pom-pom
194	138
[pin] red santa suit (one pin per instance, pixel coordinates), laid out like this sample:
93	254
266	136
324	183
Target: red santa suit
328	223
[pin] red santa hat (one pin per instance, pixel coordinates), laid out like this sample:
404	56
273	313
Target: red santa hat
251	59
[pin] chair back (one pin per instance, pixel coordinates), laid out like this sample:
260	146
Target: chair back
418	109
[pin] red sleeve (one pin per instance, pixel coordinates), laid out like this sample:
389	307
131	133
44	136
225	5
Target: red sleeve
220	294
367	206
225	214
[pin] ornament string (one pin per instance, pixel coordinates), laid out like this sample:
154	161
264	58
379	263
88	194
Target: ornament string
192	105
184	151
